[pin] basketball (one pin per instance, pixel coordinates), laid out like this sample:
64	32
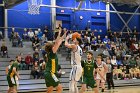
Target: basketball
76	35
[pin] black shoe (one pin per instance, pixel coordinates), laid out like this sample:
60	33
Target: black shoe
102	90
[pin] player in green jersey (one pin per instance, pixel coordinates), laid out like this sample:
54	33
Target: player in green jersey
89	68
52	65
11	76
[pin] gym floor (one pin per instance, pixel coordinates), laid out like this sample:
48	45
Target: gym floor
116	90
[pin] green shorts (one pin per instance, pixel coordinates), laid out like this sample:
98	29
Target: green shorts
50	81
89	81
11	81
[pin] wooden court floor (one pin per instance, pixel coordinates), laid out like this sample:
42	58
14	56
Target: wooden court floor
116	90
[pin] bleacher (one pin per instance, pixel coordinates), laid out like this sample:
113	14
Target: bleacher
26	84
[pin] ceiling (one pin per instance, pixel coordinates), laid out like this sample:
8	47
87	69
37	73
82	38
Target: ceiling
11	3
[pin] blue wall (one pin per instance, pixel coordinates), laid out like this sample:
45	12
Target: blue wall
73	18
23	19
1	18
117	24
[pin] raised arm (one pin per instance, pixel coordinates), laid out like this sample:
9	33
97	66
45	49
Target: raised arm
58	42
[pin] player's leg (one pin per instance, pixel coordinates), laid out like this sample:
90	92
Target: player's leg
10	90
95	90
98	83
59	89
83	88
72	86
49	89
76	88
77	77
103	86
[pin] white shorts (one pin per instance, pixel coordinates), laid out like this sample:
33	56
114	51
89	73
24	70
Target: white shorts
99	78
76	73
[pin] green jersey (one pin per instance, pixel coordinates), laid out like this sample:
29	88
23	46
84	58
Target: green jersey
52	64
88	68
11	73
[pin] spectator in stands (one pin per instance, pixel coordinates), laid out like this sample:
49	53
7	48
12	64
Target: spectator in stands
20	43
43	39
136	72
92	36
125	72
99	41
46	31
115	37
12	35
138	61
29	61
132	62
4	50
35	71
94	44
40	34
30	34
35	43
36	55
42	69
22	65
125	61
119	61
106	40
15	40
25	35
86	43
133	48
132	73
113	60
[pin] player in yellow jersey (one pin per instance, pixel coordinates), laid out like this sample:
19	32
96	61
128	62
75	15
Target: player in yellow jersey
51	79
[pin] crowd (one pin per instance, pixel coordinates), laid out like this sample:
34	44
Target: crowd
121	48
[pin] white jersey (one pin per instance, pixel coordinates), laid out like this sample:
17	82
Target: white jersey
101	69
76	71
76	56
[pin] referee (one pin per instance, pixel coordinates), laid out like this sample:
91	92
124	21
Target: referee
109	75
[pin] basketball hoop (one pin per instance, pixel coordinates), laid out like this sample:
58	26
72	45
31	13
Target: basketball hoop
34	6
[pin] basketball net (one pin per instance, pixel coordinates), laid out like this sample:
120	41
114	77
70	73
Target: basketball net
34	6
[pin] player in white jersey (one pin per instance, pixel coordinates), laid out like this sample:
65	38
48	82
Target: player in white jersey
102	68
76	55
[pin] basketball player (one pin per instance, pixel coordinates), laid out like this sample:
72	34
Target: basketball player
52	65
11	76
76	54
103	69
89	67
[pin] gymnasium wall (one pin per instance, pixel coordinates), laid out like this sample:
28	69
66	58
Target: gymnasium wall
71	19
117	24
18	17
1	16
